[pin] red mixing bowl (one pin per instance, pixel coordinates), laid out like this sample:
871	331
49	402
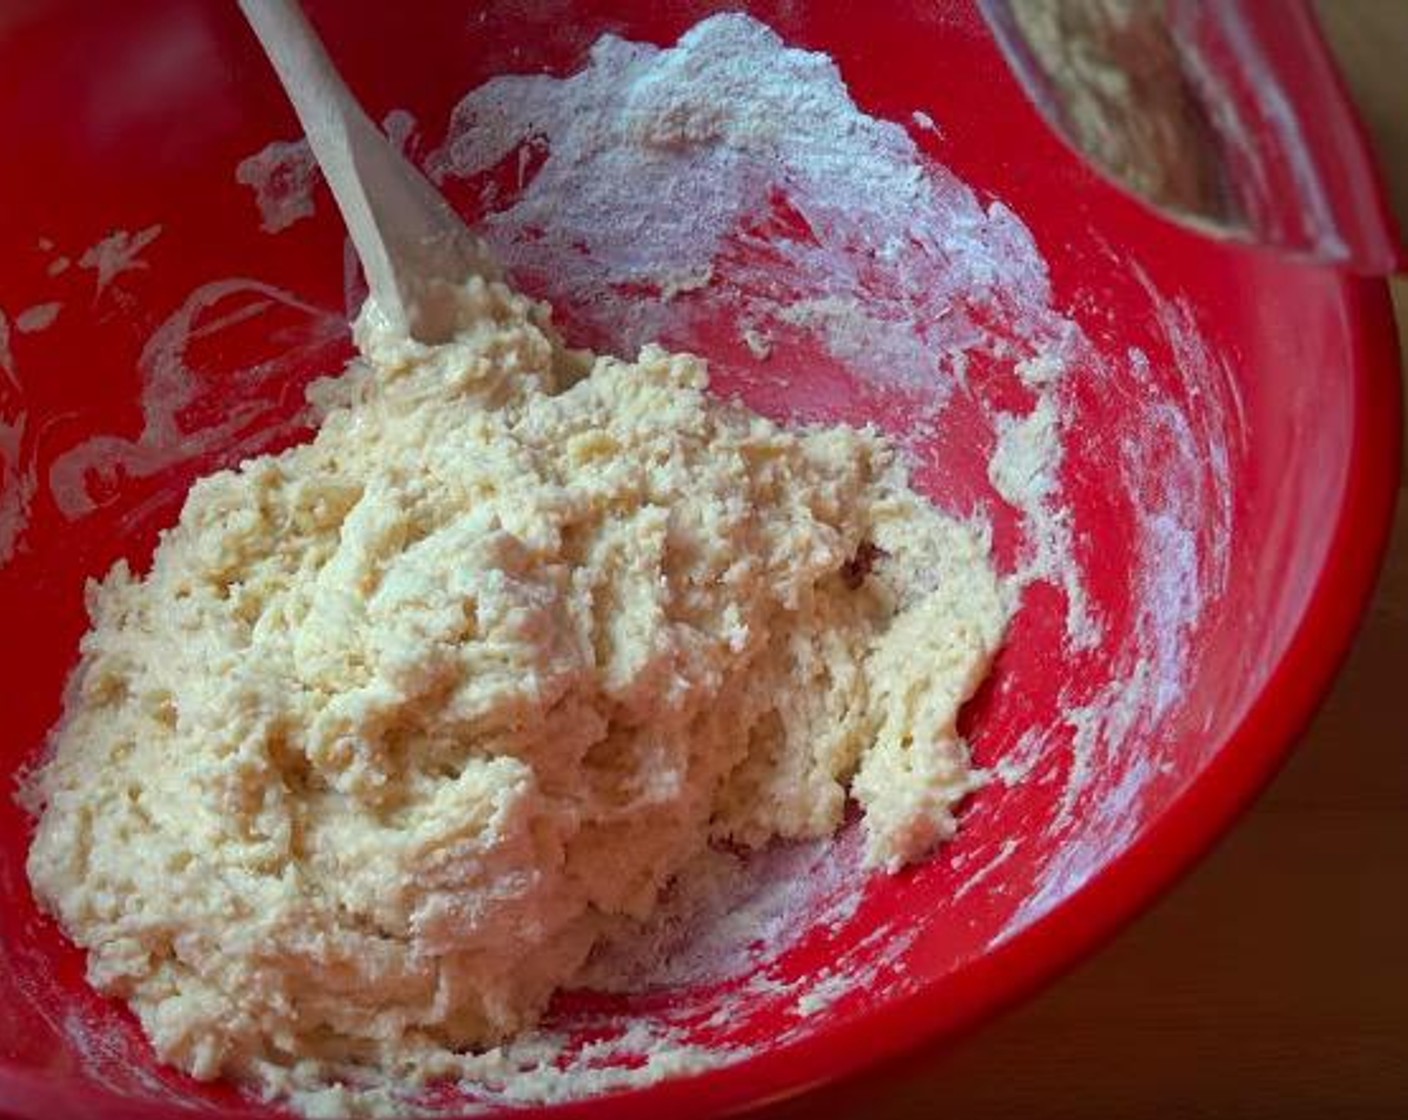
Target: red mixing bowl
1231	429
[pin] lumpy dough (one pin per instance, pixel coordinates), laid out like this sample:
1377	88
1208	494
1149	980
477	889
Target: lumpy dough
404	720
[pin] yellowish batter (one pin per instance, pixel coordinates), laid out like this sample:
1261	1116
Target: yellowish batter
403	721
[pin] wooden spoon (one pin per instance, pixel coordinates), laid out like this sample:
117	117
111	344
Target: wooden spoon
413	246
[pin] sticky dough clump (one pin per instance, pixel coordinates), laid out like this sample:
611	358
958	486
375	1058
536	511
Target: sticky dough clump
403	721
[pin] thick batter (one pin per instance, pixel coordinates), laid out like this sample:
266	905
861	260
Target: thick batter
405	720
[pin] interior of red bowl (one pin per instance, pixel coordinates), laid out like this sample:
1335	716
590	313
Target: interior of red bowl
172	274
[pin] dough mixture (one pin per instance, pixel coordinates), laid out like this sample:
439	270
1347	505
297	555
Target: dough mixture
402	722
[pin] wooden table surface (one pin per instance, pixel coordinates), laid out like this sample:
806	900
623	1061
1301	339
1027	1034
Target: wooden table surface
1273	982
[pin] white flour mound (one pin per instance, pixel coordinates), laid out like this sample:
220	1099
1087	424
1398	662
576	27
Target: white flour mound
658	165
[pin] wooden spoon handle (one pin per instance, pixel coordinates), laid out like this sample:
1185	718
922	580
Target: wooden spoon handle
405	233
